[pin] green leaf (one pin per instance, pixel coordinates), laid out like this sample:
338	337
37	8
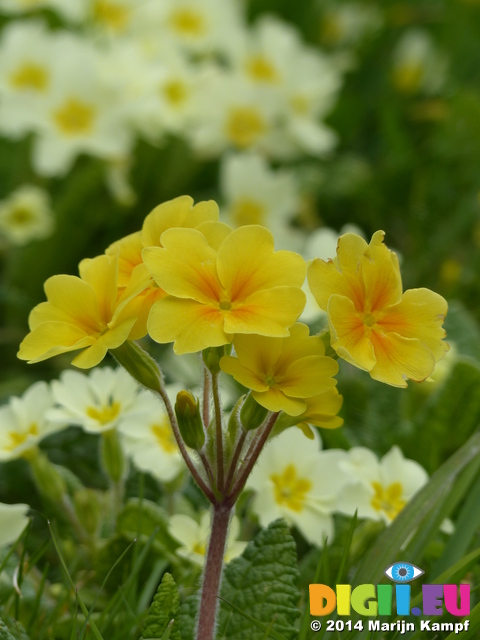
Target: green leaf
262	582
4	632
164	608
420	509
188	613
12	630
142	517
268	632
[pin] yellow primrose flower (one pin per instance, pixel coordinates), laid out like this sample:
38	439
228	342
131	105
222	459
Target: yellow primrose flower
373	325
282	372
222	283
179	212
81	313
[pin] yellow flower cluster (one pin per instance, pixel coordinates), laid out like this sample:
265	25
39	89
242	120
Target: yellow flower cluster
189	279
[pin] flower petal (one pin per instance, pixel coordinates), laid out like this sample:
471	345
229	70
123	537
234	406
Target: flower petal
309	376
192	325
264	267
248	377
51	338
381	275
77	299
275	400
420	315
185	267
350	338
399	358
267	312
101	274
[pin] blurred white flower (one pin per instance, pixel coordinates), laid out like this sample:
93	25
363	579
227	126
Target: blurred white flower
100	401
346	23
194	537
418	66
24	421
69	9
150	442
294	480
254	193
13	520
26	215
379	489
28	59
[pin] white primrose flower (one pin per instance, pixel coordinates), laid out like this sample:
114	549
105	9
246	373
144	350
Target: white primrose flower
346	23
24	421
68	9
256	194
150	442
28	59
418	66
83	114
234	114
26	215
379	489
200	27
100	401
194	537
294	480
13	520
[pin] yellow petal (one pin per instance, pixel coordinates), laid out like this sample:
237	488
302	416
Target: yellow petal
275	400
77	299
101	274
176	213
248	377
381	275
264	268
325	279
258	353
322	410
214	232
400	358
350	338
192	325
268	313
111	340
129	250
300	344
309	376
51	338
185	267
420	315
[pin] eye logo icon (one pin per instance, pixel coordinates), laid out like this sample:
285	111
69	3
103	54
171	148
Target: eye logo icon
403	572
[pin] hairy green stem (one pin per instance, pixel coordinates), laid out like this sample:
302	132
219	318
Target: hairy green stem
218	433
213	572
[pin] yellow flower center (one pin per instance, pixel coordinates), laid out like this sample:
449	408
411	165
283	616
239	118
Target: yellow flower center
247	211
17	439
105	414
30	75
175	92
369	319
225	305
200	548
164	436
74	117
112	14
188	22
408	77
289	489
270	381
260	69
300	104
20	216
244	126
389	499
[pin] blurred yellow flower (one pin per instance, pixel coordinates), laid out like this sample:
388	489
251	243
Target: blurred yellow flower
228	283
81	313
282	372
374	326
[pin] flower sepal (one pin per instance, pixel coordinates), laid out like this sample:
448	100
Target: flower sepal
48	480
252	414
139	364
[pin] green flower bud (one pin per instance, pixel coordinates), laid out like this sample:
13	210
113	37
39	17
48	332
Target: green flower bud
212	357
139	364
190	423
252	414
48	480
113	459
